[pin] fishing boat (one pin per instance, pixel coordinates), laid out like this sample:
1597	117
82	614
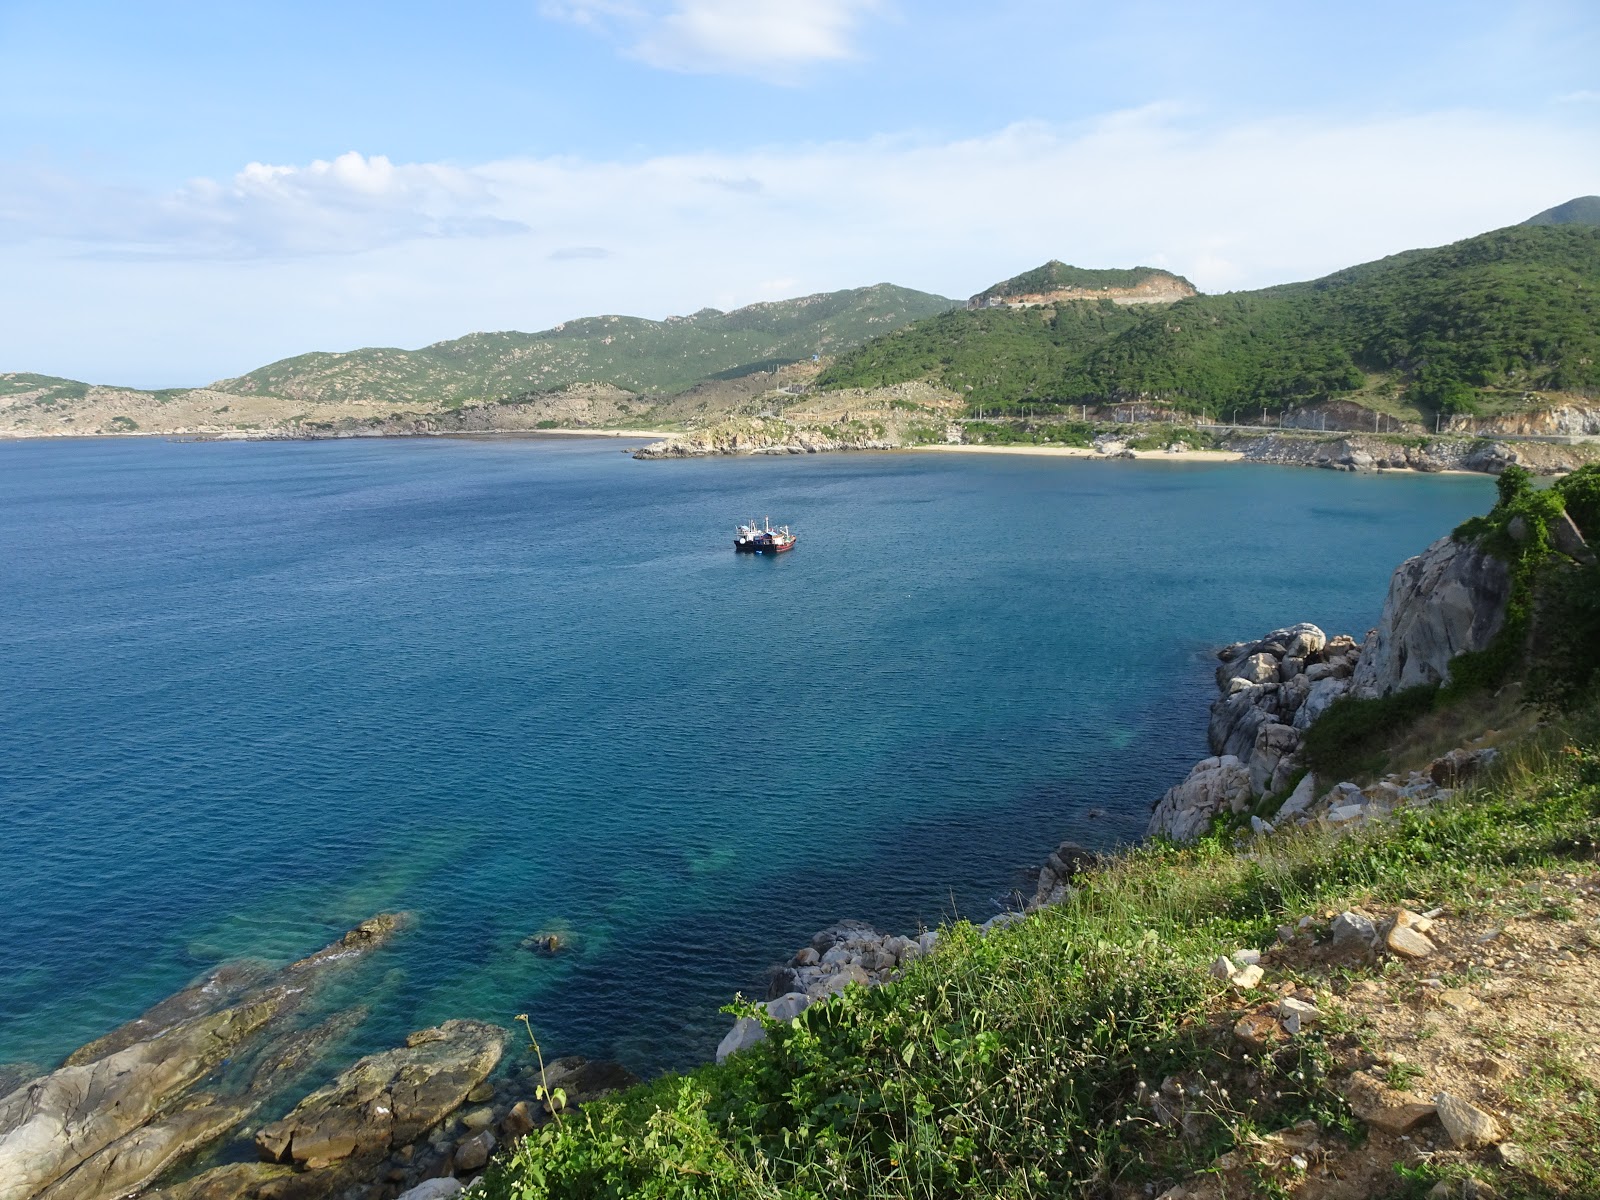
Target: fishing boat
763	538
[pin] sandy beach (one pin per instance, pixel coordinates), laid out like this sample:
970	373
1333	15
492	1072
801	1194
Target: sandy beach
1085	452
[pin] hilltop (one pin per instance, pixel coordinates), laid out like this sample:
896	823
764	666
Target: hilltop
592	371
631	353
1056	282
1584	210
1505	320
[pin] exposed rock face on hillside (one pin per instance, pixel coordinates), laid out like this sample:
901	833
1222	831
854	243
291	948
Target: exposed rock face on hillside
1449	599
1057	283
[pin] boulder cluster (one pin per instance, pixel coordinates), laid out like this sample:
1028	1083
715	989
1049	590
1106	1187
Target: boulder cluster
1271	690
194	1069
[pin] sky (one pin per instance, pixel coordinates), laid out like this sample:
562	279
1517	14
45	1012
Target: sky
190	190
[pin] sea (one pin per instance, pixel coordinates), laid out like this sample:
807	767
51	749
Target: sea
252	693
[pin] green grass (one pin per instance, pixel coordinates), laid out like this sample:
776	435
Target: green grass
1012	1065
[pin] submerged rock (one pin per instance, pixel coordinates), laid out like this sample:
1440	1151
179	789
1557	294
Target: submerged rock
386	1100
56	1123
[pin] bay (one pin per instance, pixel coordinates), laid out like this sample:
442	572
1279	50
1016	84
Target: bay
256	692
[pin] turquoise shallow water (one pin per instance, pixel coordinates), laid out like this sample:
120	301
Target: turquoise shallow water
254	693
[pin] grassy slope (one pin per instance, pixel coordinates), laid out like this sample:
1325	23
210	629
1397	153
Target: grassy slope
1011	1065
1514	310
629	352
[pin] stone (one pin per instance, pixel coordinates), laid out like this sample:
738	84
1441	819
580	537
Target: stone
481	1094
1246	958
1354	927
1408	943
518	1121
807	957
1248	977
1459	1001
1565	537
386	1100
1222	967
1345	813
1299	800
1322	695
59	1121
473	1154
1306	1013
1449	599
1383	1107
1260	828
1304	640
1416	921
788	1007
475	1119
833	984
1461	766
746	1032
136	1159
1274	741
432	1189
1187	810
1469	1127
1257	1031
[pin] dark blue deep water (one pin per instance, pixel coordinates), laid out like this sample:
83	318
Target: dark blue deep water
253	693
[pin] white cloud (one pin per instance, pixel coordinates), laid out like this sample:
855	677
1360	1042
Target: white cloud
277	260
350	204
766	39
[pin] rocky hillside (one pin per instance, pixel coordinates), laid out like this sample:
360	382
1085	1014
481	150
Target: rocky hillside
594	371
1504	322
1056	283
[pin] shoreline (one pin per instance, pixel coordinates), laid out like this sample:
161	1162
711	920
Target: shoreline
1088	452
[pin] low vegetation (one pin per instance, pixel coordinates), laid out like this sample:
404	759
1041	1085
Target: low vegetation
1470	326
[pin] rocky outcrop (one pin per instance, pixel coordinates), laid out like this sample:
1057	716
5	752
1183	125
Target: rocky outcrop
845	953
52	1125
1271	690
1212	786
1449	599
774	435
1060	872
1369	452
386	1100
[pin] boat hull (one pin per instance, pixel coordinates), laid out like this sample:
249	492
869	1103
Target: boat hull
754	547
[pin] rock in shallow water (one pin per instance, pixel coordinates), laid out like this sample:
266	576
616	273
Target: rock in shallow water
386	1100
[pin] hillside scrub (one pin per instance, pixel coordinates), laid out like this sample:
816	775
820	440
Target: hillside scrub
1456	328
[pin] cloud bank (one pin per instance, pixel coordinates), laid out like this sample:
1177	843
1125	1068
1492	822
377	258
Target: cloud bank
359	250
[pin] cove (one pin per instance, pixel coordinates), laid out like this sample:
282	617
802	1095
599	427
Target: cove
257	692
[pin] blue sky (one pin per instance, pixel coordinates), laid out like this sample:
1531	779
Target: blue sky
189	190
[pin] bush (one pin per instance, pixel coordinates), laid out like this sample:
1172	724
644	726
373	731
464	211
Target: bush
1580	492
1352	737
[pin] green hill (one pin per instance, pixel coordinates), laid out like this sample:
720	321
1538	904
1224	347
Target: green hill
1057	276
1486	319
1585	210
632	353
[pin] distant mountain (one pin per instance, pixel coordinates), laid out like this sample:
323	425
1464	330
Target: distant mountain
1585	210
1486	319
630	353
1057	281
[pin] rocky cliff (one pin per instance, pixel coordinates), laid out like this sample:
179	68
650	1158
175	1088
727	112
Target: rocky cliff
1447	600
